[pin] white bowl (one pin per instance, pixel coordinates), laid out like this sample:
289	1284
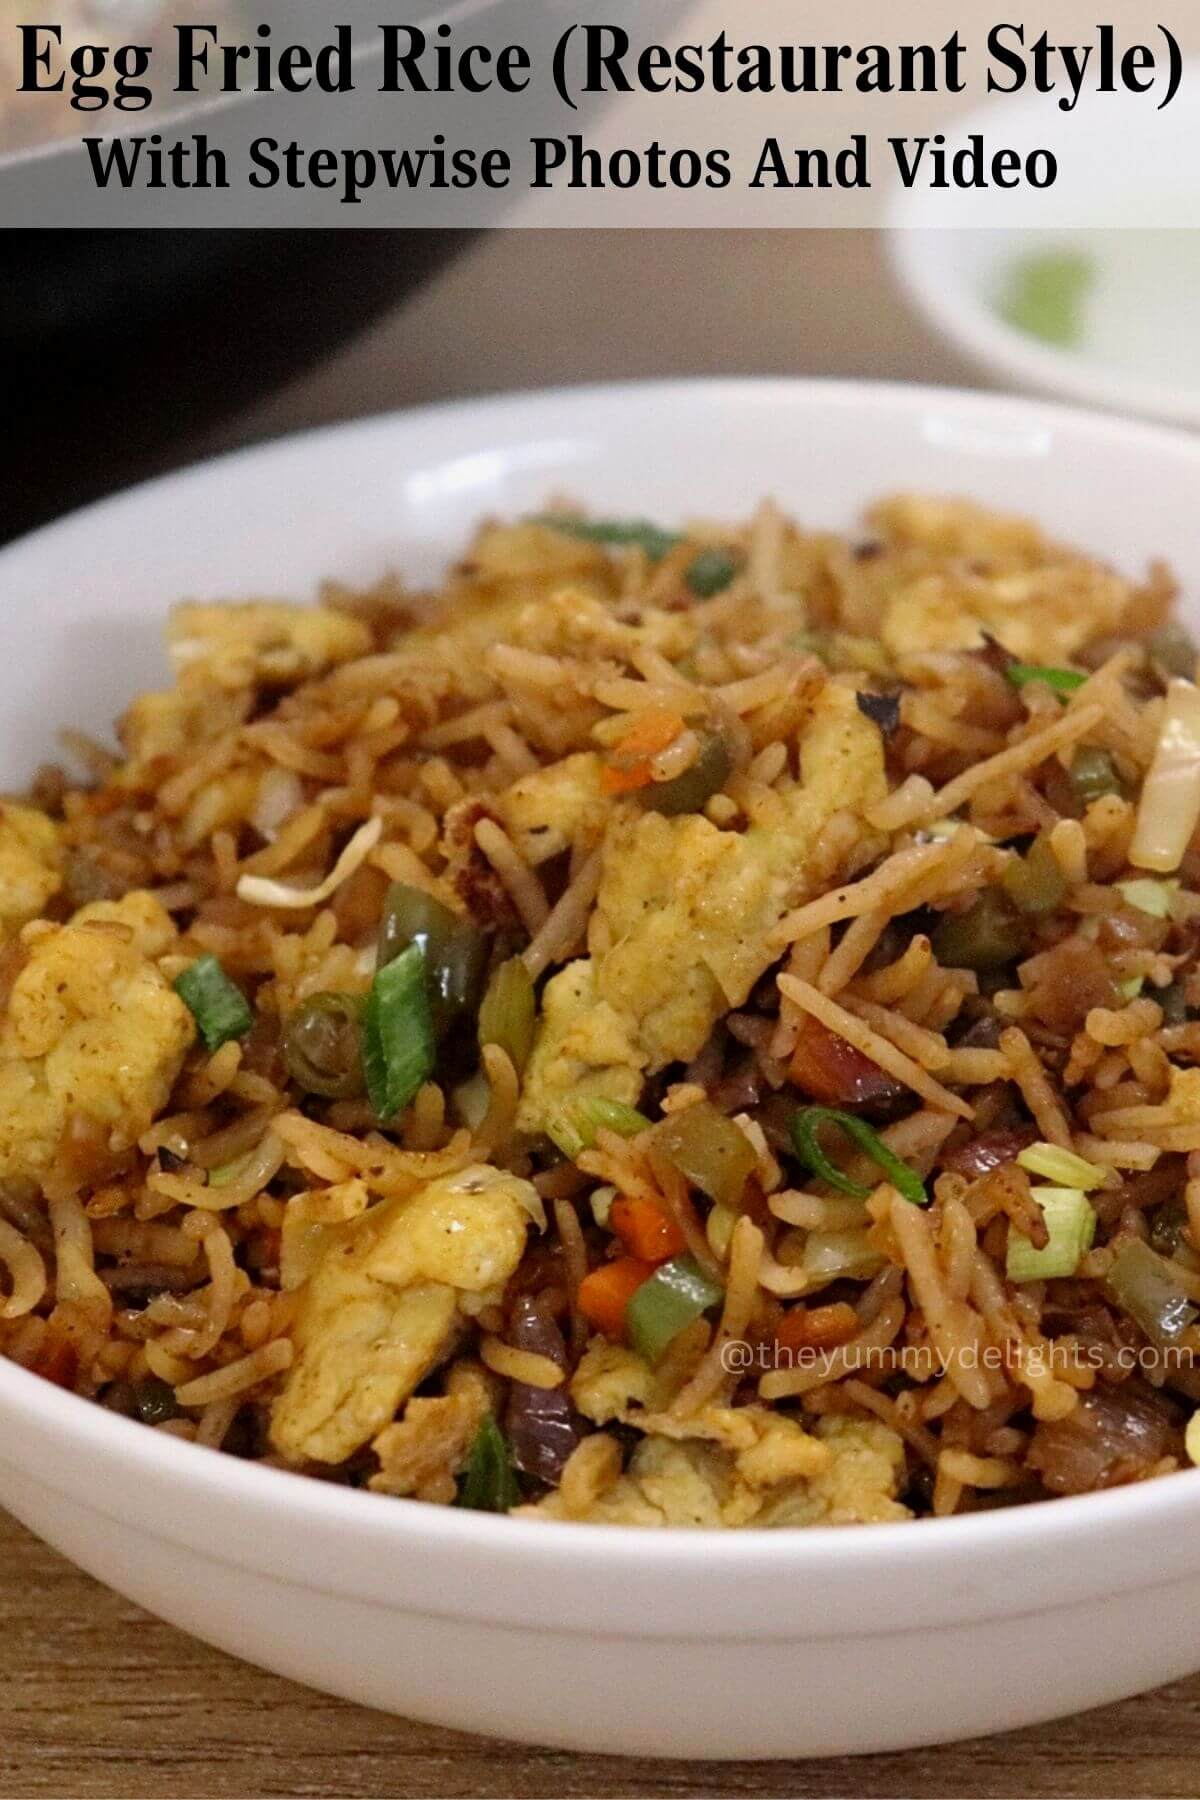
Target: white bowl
1126	186
672	1644
1140	352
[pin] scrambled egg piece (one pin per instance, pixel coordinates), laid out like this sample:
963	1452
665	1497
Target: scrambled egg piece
544	812
175	723
1040	600
385	1301
1181	1108
584	1047
681	921
609	1380
261	643
849	1474
92	1028
1044	615
859	1485
574	622
944	527
423	1452
30	865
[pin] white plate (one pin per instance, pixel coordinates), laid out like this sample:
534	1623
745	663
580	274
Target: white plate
673	1644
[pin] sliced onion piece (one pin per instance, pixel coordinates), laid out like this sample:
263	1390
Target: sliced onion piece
1169	808
261	890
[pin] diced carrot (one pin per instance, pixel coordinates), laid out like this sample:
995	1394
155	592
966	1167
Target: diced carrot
651	731
614	780
57	1360
607	1291
817	1327
645	1230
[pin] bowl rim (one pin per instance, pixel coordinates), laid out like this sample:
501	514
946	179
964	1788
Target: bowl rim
951	305
52	1419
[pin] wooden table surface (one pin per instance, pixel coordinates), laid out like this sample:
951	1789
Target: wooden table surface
101	1700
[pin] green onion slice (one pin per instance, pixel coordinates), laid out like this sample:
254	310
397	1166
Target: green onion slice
455	952
489	1482
710	572
218	1005
1063	681
805	1125
397	1045
577	1124
1062	1167
678	1293
1071	1223
632	532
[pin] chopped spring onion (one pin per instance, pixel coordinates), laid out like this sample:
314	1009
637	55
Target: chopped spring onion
1169	808
218	1005
397	1039
1191	1438
1062	1167
710	1150
1094	774
1143	1285
509	1012
1046	294
489	1482
640	532
577	1124
1129	990
1071	1222
804	1129
1034	882
710	572
1150	896
1063	681
678	1293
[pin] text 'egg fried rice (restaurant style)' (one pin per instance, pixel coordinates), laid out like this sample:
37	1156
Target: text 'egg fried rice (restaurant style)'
676	1028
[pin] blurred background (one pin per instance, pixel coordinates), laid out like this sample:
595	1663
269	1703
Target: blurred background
282	330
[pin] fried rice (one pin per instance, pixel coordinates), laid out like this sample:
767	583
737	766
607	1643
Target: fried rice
676	1027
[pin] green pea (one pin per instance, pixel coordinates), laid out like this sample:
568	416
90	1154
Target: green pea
322	1046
